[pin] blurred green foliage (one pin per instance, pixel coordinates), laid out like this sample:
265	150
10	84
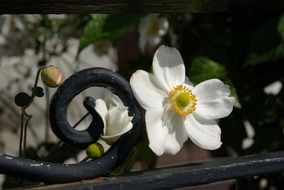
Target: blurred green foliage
246	51
243	50
267	42
102	26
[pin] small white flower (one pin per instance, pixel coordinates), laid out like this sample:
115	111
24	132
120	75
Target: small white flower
175	110
151	29
115	118
273	88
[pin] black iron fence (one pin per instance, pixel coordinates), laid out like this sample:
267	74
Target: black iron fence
165	178
241	168
138	6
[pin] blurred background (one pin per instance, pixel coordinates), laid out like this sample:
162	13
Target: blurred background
245	51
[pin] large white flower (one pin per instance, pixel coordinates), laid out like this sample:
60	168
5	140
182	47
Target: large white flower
115	118
175	110
151	30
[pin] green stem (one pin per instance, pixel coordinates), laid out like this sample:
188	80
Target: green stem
35	84
25	132
21	134
24	124
127	163
46	136
60	142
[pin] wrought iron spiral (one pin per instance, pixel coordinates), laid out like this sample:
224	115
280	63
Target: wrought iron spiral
55	172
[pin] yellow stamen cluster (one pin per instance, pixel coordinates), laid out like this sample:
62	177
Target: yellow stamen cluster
182	99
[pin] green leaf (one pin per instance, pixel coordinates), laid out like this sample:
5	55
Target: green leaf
203	68
267	43
126	164
103	26
119	21
145	154
233	130
274	54
93	30
22	99
265	37
280	27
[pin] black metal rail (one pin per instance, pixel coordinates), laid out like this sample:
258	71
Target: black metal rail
165	178
55	172
137	6
190	174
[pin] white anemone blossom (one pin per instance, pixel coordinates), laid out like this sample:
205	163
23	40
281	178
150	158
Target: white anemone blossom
175	109
151	29
115	118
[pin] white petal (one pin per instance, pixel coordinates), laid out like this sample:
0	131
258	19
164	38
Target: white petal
114	101
143	30
177	136
204	133
188	83
104	144
215	109
146	90
168	67
118	123
101	109
144	23
154	40
211	89
142	42
142	26
166	133
213	101
157	133
164	26
110	139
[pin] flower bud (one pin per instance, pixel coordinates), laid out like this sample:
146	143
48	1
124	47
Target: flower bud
95	150
51	76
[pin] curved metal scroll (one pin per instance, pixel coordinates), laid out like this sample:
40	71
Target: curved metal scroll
55	172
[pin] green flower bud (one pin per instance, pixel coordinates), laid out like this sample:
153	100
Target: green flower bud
95	150
51	76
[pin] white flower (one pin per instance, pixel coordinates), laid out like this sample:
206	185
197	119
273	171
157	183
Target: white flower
115	118
151	29
175	110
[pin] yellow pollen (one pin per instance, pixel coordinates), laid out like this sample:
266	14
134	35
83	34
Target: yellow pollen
182	99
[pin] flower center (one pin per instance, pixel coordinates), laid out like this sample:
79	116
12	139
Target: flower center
153	28
182	99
